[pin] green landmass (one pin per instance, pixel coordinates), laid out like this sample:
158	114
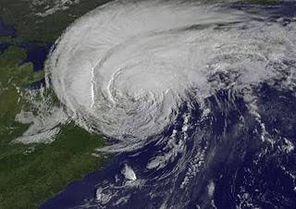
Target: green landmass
31	27
30	174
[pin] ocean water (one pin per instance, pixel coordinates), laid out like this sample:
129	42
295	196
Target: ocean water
6	30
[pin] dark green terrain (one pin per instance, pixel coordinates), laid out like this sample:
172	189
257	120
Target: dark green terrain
30	174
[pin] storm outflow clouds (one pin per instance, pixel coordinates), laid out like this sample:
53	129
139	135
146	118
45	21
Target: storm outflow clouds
125	68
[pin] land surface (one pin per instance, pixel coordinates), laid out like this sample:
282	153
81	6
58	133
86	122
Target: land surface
42	20
30	174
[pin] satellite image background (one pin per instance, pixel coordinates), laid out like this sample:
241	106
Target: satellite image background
147	104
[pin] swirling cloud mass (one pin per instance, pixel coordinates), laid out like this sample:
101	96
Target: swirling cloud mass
125	68
177	83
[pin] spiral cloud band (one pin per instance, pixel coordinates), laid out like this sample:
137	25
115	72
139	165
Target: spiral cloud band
124	68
